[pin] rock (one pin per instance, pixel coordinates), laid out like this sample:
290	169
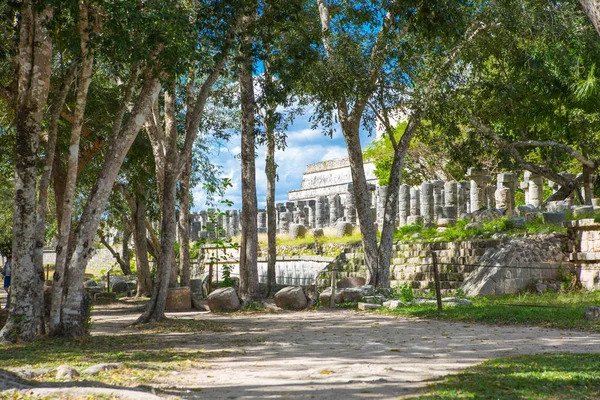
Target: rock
96	369
368	306
592	313
414	220
540	288
196	285
353	294
120	287
291	298
583	211
487	215
297	231
456	301
532	216
343	228
179	299
131	286
325	296
554	218
376	299
445	222
66	372
368	289
223	300
393	304
474	225
351	282
90	283
516	222
522	211
317	233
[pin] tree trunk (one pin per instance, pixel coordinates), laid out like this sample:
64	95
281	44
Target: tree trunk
588	184
592	9
249	242
144	287
362	198
184	224
156	308
85	79
90	220
34	62
125	251
271	172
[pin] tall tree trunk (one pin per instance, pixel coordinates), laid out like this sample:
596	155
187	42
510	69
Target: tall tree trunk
592	9
34	62
184	224
126	268
362	198
156	308
249	242
144	287
85	79
118	147
588	184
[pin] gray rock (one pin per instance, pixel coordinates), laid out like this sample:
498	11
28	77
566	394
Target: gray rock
522	211
291	298
96	369
554	218
583	211
393	304
516	222
368	306
376	299
540	287
66	372
474	225
325	297
120	287
592	313
351	282
90	283
444	222
223	300
297	231
353	294
368	289
343	228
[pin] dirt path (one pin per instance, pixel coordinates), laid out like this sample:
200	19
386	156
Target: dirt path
340	354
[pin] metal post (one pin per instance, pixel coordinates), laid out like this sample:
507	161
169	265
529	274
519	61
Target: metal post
436	277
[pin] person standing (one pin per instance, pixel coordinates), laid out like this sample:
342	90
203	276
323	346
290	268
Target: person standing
6	271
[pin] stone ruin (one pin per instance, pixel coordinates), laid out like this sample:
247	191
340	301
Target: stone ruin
325	199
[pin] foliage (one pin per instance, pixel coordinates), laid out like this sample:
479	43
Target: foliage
551	310
544	376
405	292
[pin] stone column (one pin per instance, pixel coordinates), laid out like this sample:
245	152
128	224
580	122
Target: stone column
262	221
311	213
438	199
381	195
427	202
403	204
321	212
350	206
285	219
334	209
535	189
463	203
477	179
505	194
415	201
451	200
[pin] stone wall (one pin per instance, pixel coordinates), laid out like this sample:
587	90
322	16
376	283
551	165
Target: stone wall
584	250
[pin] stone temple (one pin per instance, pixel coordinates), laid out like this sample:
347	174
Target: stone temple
325	199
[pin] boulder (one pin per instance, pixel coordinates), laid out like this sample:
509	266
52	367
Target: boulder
554	218
325	296
223	300
393	304
90	283
592	313
343	228
291	298
368	306
66	372
120	287
351	282
297	231
353	294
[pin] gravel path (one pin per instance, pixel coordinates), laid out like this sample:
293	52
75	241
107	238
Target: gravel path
341	354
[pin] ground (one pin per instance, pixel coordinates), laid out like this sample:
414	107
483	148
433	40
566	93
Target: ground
331	354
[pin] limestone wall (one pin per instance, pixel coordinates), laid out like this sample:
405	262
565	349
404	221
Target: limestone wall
584	250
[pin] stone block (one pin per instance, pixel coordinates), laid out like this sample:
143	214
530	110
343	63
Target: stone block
516	222
343	229
179	299
445	222
297	231
368	306
592	313
351	282
554	218
583	211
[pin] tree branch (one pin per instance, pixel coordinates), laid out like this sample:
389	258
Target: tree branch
568	149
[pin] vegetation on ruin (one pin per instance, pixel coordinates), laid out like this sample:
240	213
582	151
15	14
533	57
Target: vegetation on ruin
544	376
563	310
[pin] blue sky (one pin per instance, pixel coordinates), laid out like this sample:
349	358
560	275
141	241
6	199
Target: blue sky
304	146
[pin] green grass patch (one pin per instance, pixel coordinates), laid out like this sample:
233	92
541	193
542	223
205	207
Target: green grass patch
556	376
551	310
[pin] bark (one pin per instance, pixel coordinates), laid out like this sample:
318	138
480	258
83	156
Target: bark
141	249
588	184
34	62
114	253
116	151
126	266
84	81
592	9
249	241
184	225
156	308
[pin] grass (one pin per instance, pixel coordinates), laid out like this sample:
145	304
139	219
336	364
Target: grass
556	376
551	310
460	232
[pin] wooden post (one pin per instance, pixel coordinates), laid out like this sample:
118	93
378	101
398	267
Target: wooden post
436	277
47	271
210	272
333	279
108	281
